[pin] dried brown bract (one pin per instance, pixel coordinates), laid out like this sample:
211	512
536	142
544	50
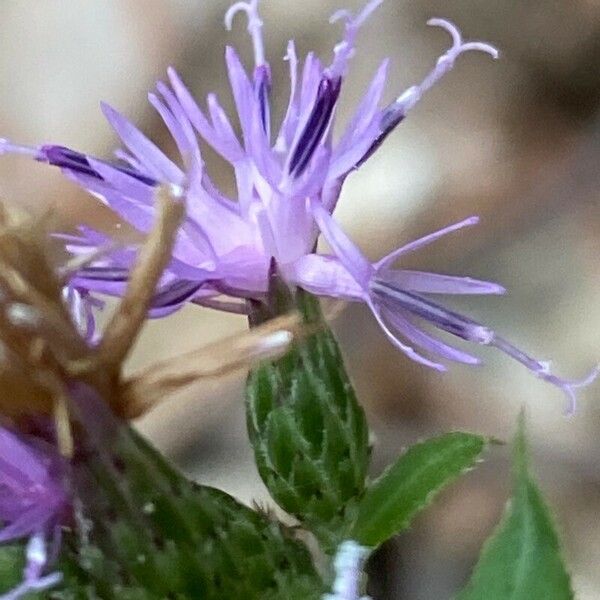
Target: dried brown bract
43	353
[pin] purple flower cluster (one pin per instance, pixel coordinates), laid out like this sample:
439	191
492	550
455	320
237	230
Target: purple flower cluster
225	246
288	181
33	504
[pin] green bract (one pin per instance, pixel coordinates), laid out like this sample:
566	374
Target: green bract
144	532
308	431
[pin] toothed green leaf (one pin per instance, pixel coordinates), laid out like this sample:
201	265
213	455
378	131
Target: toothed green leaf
410	484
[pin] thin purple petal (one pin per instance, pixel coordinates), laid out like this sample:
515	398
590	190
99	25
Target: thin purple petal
434	283
350	256
404	348
427	342
388	260
154	160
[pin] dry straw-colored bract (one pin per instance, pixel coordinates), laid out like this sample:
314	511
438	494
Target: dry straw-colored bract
44	353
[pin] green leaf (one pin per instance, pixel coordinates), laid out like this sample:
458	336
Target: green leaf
144	532
309	433
410	484
12	562
522	560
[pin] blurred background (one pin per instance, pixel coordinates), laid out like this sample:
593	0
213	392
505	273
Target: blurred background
516	141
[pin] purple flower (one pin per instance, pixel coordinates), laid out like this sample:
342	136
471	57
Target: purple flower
401	302
288	183
33	503
225	246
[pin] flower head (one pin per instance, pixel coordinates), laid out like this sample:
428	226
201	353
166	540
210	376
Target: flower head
225	246
33	503
288	182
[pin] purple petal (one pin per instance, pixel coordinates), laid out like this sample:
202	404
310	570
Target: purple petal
311	182
182	119
350	160
389	119
427	342
135	203
388	260
22	457
397	299
147	153
124	182
172	124
312	73
221	123
220	219
32	497
138	213
434	283
242	92
324	276
405	349
174	295
350	256
367	109
289	122
249	111
266	162
33	519
200	122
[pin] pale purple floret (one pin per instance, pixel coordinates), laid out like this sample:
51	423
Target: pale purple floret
33	504
82	305
400	301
